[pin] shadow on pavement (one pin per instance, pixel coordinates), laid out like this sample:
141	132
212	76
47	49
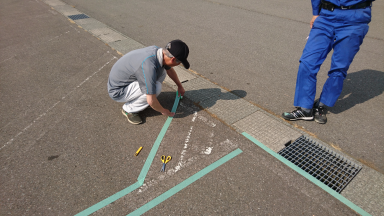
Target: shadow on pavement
204	98
166	99
208	97
359	87
239	93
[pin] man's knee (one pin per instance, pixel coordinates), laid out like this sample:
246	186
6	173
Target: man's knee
341	74
308	70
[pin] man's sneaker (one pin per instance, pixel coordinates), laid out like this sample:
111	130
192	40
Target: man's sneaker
133	118
298	114
320	116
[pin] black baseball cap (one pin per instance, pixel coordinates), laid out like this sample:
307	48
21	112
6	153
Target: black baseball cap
179	50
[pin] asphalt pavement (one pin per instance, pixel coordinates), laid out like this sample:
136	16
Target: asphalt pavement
256	47
65	146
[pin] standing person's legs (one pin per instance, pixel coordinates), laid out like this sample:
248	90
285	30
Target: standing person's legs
347	43
316	50
318	46
348	39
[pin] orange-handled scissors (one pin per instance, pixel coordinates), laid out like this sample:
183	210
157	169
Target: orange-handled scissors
165	160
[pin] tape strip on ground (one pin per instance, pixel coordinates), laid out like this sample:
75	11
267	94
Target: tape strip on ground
184	184
143	172
308	176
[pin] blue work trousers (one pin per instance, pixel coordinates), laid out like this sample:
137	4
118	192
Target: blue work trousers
340	30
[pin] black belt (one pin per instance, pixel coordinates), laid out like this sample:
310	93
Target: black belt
330	6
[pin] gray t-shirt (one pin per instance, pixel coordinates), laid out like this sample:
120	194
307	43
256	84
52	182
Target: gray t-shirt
140	65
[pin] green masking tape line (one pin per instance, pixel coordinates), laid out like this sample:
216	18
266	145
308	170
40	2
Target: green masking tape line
308	176
156	145
109	200
184	184
143	173
176	103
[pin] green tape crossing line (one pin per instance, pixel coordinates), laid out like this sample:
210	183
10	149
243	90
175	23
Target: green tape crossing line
184	184
308	176
109	200
156	145
143	172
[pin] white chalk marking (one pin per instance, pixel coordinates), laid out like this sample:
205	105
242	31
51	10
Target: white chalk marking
88	78
26	128
60	35
228	145
207	122
8	59
189	109
211	135
52	11
170	173
208	150
75	29
194	116
181	162
55	37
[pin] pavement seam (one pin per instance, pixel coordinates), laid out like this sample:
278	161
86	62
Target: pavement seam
54	105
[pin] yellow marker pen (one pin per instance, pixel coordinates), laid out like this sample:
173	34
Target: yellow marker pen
138	151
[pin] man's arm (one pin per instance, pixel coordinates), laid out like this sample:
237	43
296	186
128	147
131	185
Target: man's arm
315	10
313	20
155	104
172	74
315	7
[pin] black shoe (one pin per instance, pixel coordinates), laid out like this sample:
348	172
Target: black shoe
320	116
298	114
133	118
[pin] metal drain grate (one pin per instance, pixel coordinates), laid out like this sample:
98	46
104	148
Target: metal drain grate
327	166
78	16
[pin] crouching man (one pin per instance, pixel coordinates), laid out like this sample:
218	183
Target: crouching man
136	78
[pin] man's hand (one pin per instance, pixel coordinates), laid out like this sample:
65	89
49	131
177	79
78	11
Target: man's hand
167	113
154	103
181	91
313	20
